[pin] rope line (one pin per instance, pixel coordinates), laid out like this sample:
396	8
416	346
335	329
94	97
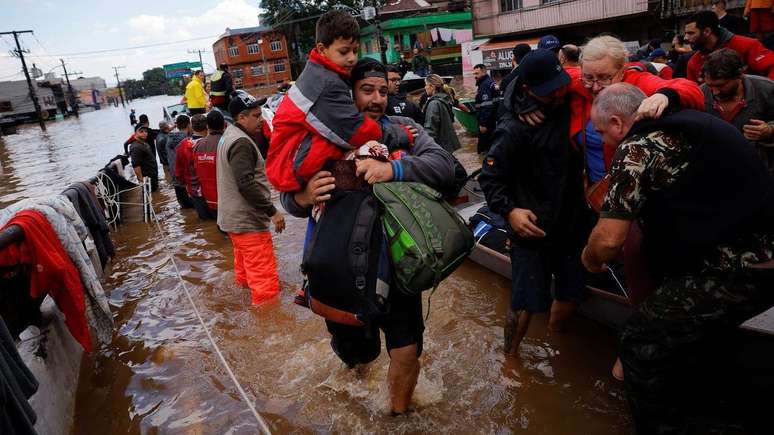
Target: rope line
113	200
258	418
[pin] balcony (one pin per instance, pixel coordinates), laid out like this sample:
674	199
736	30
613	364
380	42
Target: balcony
489	21
676	8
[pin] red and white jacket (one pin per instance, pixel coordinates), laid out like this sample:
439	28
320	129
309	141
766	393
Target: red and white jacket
316	121
205	153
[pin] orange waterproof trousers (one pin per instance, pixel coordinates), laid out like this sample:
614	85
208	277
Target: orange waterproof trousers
255	265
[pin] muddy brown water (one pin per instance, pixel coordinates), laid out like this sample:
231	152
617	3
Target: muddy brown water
160	375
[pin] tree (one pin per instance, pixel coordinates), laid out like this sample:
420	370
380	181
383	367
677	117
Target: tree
156	82
296	18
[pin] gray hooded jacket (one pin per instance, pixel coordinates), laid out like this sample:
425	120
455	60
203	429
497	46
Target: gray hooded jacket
439	121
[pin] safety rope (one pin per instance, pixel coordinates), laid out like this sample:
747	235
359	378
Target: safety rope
226	366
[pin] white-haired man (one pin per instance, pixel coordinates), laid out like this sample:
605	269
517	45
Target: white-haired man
708	245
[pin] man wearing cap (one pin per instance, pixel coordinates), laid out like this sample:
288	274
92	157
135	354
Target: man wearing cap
658	59
532	176
486	96
551	43
143	157
245	208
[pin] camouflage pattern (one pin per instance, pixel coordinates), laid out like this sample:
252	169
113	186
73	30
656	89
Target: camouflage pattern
643	163
663	342
673	336
649	163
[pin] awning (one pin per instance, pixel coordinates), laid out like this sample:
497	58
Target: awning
498	54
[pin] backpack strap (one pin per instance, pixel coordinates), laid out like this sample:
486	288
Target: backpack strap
359	242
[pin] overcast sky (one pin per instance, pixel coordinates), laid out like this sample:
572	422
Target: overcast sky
65	27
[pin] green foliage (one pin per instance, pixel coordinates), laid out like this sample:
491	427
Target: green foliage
153	83
156	83
296	19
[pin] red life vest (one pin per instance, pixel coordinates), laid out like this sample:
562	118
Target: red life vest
204	156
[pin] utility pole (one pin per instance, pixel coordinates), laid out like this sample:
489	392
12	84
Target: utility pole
73	100
200	56
118	81
33	94
263	57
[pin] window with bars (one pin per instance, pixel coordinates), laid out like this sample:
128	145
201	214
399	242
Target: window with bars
238	72
256	70
510	5
253	48
279	65
276	45
233	51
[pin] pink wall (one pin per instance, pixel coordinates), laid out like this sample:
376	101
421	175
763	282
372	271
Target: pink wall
488	21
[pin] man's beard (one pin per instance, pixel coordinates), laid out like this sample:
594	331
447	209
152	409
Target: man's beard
727	96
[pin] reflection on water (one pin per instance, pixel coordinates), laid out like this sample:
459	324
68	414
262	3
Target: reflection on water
161	376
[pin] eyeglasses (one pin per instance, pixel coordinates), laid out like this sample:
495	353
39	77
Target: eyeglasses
394	80
602	82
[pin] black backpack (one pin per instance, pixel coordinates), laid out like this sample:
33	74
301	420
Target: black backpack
341	260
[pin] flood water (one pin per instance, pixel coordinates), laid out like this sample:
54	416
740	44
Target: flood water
160	375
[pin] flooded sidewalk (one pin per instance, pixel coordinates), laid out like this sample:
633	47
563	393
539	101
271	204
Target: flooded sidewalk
160	374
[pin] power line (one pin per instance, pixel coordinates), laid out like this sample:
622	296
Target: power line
11	75
31	88
109	50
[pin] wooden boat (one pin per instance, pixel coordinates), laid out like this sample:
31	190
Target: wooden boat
604	306
469	119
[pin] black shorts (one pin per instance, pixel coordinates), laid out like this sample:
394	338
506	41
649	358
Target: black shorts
532	270
402	326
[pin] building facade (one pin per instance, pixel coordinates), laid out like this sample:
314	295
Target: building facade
574	21
437	27
257	58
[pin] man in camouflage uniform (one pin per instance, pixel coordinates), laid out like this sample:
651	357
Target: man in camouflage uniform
704	202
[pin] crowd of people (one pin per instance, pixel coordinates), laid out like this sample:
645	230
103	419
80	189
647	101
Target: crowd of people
586	150
599	157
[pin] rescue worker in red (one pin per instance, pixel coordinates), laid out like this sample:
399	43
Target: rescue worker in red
185	170
704	33
317	120
205	153
604	62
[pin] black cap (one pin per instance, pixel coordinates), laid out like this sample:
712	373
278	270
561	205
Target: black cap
241	101
550	42
139	126
541	72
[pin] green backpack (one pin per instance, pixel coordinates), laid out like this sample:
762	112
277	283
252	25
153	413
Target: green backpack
427	239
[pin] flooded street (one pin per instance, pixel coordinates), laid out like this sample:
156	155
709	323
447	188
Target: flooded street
161	376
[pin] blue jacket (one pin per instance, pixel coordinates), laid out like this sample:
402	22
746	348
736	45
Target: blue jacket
487	92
